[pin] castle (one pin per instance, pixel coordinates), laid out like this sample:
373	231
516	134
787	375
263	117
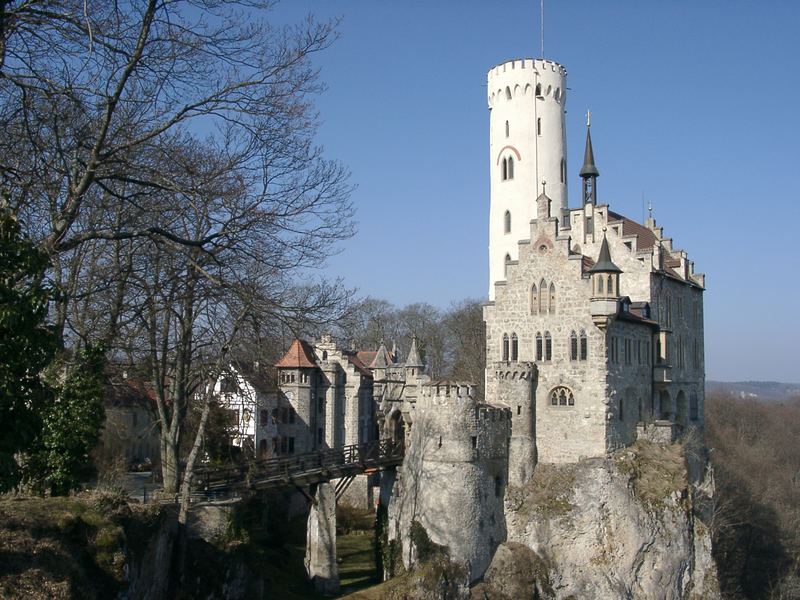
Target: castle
594	338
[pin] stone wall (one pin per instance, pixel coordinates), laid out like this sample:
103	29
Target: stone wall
453	478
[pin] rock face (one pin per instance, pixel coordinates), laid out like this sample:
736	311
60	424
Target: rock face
629	526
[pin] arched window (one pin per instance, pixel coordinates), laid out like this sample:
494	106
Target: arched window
539	347
599	284
552	298
508	93
510	168
534	300
505	346
514	347
584	345
504	171
539	126
507	129
573	346
505	265
507	222
610	285
548	346
562	396
542	297
538	89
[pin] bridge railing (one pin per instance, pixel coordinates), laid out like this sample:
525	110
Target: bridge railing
360	456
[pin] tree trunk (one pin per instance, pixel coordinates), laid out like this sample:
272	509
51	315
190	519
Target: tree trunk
170	467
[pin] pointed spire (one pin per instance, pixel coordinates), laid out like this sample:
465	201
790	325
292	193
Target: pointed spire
589	169
604	263
413	359
382	358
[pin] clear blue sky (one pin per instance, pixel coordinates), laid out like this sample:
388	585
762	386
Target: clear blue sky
694	103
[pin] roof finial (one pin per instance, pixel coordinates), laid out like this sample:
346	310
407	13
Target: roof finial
588	118
544	183
650	209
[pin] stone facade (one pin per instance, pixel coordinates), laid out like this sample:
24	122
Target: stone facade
617	344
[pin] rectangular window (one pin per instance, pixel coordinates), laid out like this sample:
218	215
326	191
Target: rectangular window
538	348
539	126
584	347
573	348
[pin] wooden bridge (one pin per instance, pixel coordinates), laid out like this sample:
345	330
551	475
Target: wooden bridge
301	469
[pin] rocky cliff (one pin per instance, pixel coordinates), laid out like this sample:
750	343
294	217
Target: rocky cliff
630	526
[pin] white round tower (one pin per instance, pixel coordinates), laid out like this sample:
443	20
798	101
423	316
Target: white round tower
527	145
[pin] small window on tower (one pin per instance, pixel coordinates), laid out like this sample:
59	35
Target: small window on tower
538	89
504	170
507	222
510	168
505	346
539	126
505	265
514	346
507	129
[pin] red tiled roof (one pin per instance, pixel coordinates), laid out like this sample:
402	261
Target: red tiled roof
366	356
358	364
299	355
646	238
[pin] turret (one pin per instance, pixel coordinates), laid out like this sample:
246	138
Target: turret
605	286
589	172
414	365
527	143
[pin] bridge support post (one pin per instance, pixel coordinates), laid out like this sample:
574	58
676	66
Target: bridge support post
320	558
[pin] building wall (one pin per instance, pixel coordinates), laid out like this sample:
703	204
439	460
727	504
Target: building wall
563	434
629	382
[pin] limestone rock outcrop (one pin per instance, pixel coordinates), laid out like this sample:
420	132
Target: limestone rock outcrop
630	526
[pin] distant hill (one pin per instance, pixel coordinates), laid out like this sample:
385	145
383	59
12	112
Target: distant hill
768	391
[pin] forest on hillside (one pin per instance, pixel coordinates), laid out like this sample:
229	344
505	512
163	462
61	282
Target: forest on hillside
756	521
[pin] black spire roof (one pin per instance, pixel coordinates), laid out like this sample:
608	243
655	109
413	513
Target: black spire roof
604	263
589	169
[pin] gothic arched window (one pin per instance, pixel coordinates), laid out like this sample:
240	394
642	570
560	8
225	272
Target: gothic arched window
542	297
538	89
610	285
534	300
584	345
507	128
505	346
504	171
514	347
573	346
539	347
548	346
507	222
505	265
510	172
562	396
552	299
